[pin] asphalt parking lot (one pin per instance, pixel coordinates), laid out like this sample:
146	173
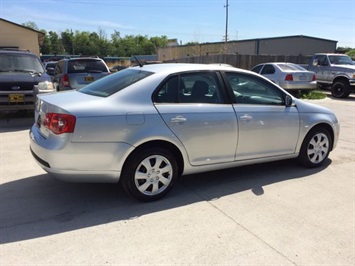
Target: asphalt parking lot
269	214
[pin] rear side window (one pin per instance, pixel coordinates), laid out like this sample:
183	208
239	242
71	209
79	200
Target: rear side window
268	70
257	68
113	83
84	66
200	87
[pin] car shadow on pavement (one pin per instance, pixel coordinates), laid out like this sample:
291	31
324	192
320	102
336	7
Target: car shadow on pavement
15	123
40	206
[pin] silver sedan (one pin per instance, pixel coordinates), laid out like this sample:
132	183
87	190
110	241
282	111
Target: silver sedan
145	126
288	76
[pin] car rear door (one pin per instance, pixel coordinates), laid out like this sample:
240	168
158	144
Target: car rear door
205	124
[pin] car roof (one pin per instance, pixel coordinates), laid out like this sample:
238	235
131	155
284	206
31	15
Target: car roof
278	63
12	51
81	58
183	67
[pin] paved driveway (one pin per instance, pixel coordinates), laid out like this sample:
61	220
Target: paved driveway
270	214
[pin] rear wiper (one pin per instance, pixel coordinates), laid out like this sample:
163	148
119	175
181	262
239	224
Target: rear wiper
94	71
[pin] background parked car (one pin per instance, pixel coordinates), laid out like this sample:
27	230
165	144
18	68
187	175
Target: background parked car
288	76
20	73
50	67
145	126
75	73
117	68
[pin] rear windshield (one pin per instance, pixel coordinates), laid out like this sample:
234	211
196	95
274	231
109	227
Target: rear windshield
115	82
86	65
290	67
20	63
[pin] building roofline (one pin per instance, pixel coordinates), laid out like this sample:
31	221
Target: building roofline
264	39
40	32
41	35
296	36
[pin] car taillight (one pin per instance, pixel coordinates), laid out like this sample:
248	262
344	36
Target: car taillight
65	80
59	123
289	77
314	77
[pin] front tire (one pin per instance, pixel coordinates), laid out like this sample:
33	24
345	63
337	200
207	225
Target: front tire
341	89
315	148
149	174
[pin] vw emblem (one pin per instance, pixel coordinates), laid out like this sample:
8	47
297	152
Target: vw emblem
15	88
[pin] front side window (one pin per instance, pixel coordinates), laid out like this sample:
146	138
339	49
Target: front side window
249	89
113	83
200	87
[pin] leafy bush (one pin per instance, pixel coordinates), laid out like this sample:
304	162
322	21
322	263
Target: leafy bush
313	95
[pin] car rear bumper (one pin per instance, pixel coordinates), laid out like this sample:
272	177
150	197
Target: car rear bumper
299	85
76	162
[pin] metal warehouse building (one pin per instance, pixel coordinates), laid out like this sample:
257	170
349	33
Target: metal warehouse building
287	45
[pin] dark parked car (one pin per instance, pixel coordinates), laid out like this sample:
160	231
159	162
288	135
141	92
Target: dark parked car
117	68
75	73
20	73
50	67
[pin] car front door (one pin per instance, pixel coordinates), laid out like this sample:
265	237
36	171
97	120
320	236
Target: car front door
267	127
323	69
193	107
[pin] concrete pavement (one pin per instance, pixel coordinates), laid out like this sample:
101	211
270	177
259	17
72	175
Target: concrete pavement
271	214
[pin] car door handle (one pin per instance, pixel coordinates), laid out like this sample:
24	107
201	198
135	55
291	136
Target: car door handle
246	117
178	119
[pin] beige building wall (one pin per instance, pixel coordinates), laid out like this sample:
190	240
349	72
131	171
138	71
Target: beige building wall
14	35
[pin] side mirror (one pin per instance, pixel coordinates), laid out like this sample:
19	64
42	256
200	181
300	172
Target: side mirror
289	101
315	62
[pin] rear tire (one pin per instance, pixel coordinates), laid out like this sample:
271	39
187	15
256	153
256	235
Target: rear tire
341	89
315	148
149	174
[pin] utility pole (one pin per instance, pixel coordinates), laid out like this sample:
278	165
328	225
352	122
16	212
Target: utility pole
226	35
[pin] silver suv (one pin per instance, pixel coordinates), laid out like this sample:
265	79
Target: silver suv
75	73
20	73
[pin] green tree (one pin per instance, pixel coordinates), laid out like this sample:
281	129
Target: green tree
67	39
351	53
31	25
55	43
45	48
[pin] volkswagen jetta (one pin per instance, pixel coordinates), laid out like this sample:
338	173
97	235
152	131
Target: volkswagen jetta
145	126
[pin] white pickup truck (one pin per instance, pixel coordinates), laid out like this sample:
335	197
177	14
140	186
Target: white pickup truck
336	71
